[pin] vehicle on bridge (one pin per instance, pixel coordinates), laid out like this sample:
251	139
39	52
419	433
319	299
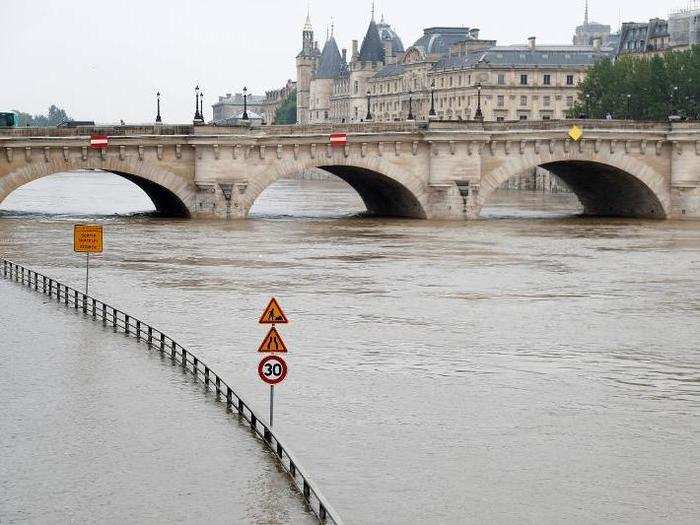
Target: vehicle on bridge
76	123
9	120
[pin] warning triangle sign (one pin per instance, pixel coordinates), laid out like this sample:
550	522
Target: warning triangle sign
273	314
272	342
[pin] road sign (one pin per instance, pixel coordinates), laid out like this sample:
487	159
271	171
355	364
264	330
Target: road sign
273	314
575	133
98	141
272	342
87	238
339	139
272	369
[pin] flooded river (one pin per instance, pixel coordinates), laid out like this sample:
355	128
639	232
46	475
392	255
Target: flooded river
532	367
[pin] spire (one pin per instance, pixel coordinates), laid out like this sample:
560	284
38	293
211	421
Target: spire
332	26
372	10
585	16
307	25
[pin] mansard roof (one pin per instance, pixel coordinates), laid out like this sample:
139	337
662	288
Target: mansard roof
331	64
523	56
372	49
386	33
437	40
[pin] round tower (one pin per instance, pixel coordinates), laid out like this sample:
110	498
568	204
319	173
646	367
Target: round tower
306	65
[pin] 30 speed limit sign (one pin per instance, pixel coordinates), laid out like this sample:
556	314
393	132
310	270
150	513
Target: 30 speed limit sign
272	369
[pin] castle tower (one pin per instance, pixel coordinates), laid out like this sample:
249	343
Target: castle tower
306	65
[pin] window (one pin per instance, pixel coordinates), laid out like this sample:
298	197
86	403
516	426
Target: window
569	101
546	101
357	88
523	80
547	80
523	100
523	117
501	79
569	80
501	101
450	81
355	107
546	117
500	119
442	82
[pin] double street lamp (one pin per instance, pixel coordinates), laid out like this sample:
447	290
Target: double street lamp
478	115
369	113
245	103
431	113
197	114
158	119
410	105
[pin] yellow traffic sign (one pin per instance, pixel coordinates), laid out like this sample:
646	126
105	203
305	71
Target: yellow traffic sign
575	133
272	342
87	238
273	314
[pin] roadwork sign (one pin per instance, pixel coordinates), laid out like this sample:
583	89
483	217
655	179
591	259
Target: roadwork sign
273	314
272	369
272	342
87	238
575	133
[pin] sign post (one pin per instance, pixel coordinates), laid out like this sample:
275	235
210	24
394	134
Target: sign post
272	369
87	239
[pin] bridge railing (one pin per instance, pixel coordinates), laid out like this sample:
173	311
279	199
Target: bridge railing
154	339
112	131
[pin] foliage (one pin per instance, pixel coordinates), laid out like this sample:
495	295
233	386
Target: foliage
55	116
642	88
287	112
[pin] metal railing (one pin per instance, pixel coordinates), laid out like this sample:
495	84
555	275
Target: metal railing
155	339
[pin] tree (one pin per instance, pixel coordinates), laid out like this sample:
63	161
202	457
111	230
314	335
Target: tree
642	88
55	116
287	112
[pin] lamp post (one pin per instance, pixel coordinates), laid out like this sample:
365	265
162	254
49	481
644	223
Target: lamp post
410	105
431	113
197	116
588	105
629	102
478	115
201	106
369	99
158	119
245	103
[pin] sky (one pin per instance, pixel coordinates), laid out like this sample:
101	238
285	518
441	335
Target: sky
104	60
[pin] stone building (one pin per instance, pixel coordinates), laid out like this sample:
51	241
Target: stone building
684	28
450	68
274	99
230	106
646	38
587	33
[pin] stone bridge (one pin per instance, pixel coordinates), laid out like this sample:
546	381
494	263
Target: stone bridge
433	170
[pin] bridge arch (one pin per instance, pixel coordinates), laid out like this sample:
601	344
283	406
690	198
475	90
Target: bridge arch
171	194
384	189
606	185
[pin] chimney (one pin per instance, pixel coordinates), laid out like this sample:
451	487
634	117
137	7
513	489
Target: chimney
474	33
228	95
345	55
597	43
355	52
531	42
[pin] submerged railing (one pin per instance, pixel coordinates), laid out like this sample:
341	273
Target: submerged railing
155	339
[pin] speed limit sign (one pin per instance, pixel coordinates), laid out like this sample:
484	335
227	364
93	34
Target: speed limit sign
272	369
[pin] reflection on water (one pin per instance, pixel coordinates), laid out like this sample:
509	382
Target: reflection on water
505	371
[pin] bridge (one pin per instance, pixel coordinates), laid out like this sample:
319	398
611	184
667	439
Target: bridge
429	170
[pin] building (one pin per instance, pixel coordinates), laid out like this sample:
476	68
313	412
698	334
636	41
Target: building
274	99
646	38
448	73
684	28
587	33
230	106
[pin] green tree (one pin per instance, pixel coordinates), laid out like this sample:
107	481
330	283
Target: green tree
54	117
287	112
642	88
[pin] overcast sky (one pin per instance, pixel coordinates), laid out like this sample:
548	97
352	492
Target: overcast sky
104	60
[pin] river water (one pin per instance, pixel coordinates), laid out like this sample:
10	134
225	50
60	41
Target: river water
534	366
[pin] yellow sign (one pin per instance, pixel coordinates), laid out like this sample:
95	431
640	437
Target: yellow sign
575	133
272	342
273	314
87	238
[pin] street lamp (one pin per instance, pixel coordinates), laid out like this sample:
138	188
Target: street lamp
369	113
201	106
478	115
588	105
410	105
245	103
158	119
432	98
629	101
197	116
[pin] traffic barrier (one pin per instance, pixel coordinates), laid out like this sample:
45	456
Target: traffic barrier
155	339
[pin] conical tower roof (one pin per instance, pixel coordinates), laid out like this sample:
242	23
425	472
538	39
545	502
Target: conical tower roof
331	64
372	49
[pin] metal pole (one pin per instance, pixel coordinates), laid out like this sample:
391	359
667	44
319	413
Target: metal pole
87	271
272	400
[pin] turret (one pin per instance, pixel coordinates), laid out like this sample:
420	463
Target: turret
306	64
